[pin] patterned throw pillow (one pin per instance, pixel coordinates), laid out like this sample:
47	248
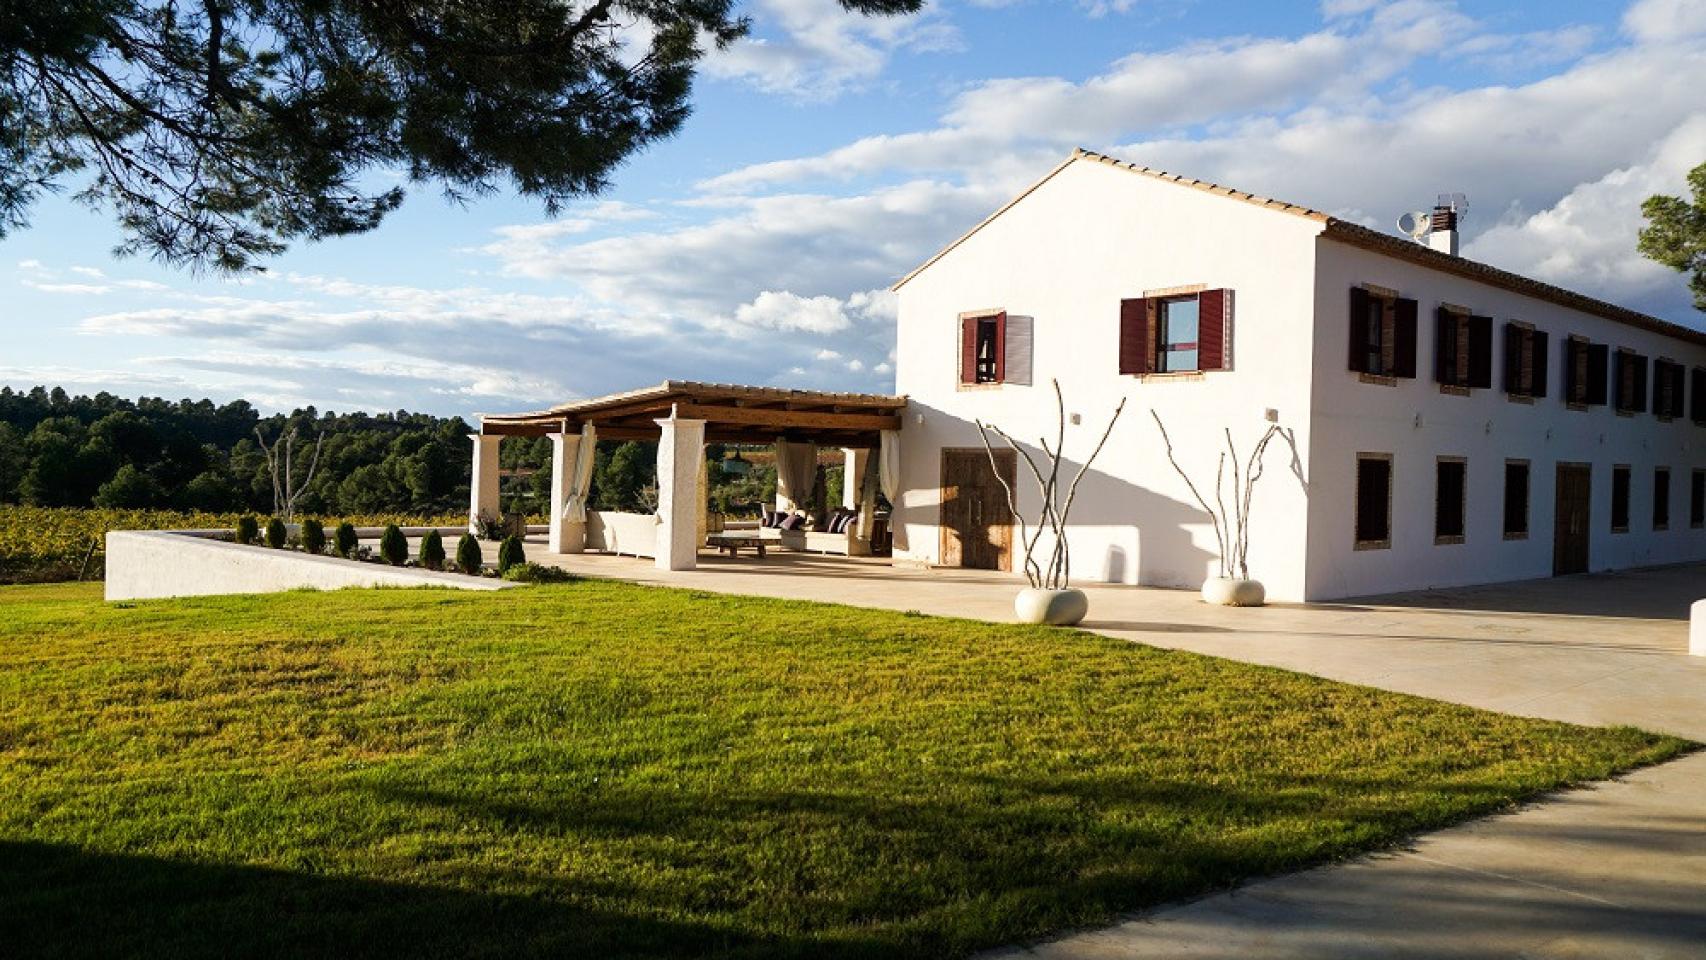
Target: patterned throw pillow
793	521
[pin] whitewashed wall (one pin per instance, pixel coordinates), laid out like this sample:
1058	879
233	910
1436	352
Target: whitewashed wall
1066	255
1416	423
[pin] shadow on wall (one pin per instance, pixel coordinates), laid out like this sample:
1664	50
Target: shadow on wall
1120	532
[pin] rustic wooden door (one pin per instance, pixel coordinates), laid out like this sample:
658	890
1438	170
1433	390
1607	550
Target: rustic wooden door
1571	527
977	527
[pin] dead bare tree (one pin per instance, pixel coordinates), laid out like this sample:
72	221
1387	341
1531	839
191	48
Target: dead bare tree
1057	573
1232	530
285	490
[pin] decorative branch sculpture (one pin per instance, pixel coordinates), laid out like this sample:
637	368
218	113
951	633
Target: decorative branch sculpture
284	489
1052	514
1232	530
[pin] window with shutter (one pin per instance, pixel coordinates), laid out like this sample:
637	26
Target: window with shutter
1176	333
1525	360
1373	519
1697	395
1629	382
1450	489
1516	500
983	357
1661	498
1620	498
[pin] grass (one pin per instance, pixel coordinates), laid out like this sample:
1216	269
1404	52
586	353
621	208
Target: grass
605	770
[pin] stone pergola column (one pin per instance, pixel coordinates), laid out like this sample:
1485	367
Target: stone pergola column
565	535
483	481
681	456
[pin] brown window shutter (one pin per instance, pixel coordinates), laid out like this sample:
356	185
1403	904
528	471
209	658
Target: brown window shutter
968	349
1638	364
1538	355
1598	355
1446	369
1514	353
1481	352
1214	320
1697	391
1001	347
1359	331
1404	338
1134	336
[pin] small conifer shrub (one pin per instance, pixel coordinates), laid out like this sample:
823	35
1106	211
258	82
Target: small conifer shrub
432	551
393	547
344	540
313	536
468	556
248	529
510	553
276	534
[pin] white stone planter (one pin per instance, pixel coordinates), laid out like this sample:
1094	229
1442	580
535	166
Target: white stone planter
1057	608
1233	592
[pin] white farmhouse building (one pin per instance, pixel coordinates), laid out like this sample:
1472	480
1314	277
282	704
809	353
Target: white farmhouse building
1450	423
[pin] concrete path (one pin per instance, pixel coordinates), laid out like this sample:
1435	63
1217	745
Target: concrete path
1617	870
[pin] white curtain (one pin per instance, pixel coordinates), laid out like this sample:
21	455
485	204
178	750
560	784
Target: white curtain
796	472
888	466
580	484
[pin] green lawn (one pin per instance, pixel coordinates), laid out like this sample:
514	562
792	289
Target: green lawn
605	770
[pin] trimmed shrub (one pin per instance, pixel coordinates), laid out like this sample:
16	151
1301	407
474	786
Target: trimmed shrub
528	572
344	540
248	529
313	536
393	546
432	551
276	534
469	559
510	553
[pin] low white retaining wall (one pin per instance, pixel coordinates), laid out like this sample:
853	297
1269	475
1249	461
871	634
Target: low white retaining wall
143	564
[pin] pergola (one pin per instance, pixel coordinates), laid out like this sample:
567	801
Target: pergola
681	416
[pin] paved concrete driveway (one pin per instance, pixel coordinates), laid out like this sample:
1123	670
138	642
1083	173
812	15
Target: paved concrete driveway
1618	870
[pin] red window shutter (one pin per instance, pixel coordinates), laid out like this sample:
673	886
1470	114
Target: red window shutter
1001	347
1134	336
1214	315
1404	333
1359	331
968	349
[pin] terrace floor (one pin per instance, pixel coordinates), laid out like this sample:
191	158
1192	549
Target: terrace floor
1618	869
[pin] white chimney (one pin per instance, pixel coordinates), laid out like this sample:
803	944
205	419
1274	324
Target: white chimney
1443	236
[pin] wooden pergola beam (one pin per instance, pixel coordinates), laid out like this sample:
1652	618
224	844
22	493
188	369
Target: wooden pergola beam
787	419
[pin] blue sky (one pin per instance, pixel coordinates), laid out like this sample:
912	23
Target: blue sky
829	154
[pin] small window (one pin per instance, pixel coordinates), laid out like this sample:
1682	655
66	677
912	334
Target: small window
1697	499
1176	335
1449	492
1382	334
1525	360
1661	498
1374	501
1463	349
1630	382
1516	499
1620	499
1584	372
1669	386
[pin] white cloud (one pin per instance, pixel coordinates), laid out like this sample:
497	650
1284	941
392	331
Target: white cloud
1587	239
815	49
1660	21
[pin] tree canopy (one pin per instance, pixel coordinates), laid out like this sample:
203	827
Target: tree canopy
1675	234
218	132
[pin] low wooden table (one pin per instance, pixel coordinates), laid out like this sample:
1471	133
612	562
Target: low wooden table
733	543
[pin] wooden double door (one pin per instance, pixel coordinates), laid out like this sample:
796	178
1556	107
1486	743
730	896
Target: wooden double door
977	526
1571	522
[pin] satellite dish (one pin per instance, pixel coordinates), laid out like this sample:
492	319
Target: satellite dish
1416	224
